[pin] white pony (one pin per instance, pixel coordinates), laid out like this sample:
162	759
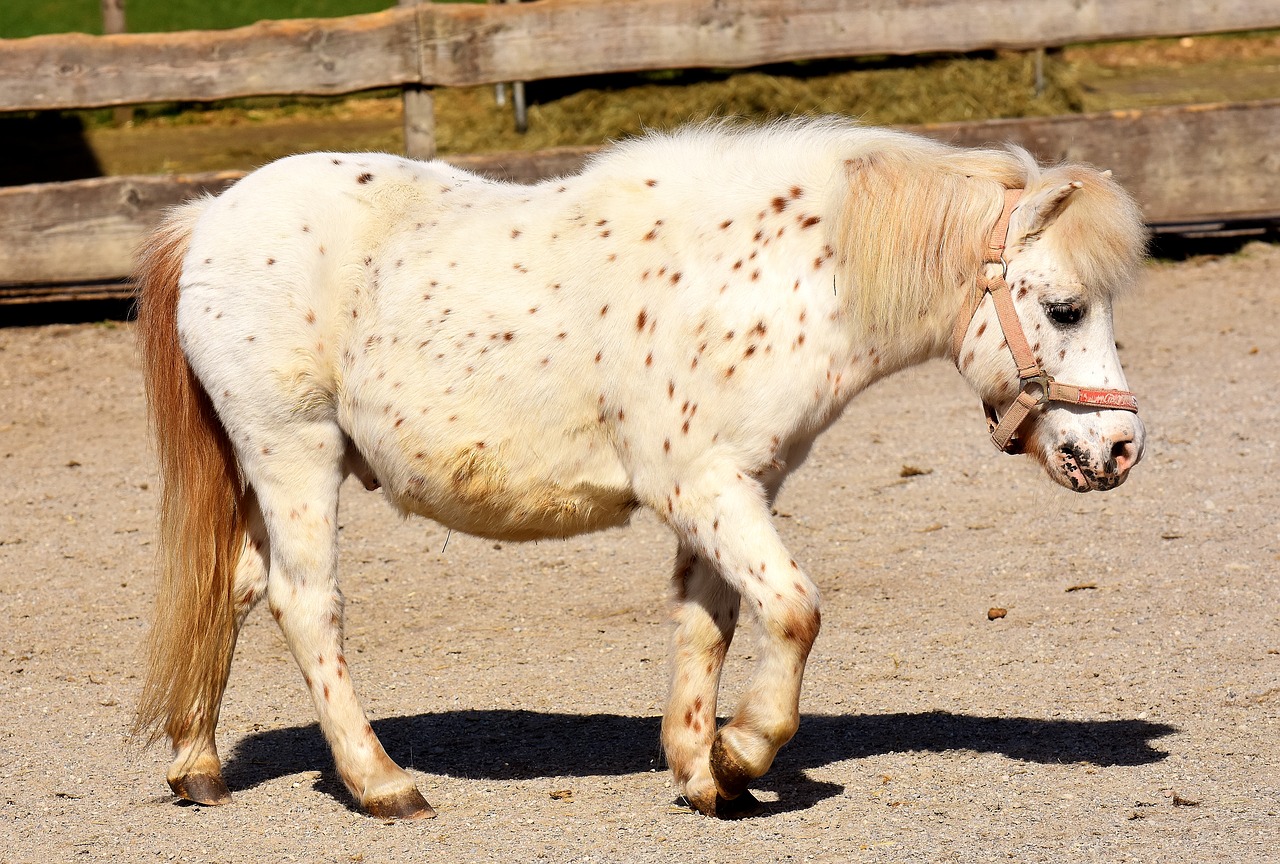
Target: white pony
669	329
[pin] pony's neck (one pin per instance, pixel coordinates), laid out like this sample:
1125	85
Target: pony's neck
912	342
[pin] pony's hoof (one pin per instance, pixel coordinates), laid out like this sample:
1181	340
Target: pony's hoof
730	774
207	789
744	806
703	798
408	804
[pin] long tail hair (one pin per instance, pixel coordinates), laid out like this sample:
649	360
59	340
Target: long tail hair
202	523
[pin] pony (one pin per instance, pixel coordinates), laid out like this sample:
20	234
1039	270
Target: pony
668	329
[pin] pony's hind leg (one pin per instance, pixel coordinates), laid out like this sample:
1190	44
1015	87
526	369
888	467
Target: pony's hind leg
196	771
706	614
296	473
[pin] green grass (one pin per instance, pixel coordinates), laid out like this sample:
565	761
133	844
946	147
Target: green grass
20	18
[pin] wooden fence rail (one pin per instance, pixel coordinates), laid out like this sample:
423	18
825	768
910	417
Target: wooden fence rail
1188	164
464	44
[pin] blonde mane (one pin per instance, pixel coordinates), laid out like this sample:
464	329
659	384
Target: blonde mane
916	216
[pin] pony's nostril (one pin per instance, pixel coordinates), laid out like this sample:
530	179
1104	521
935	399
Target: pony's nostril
1123	454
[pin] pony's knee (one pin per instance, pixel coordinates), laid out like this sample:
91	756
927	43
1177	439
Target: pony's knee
798	626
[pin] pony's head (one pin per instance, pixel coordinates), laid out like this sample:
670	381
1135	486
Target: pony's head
1074	238
922	225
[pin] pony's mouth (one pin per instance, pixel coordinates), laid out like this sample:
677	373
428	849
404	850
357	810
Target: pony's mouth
1077	471
1071	470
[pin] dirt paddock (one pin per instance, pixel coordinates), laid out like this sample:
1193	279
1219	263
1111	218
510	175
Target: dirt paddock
1127	707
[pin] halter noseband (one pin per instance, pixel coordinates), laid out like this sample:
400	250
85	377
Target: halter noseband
1036	388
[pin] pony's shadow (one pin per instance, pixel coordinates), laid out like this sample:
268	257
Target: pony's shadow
525	745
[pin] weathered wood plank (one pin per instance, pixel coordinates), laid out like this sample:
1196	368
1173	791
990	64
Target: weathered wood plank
86	230
1196	164
465	44
487	44
24	295
304	56
526	166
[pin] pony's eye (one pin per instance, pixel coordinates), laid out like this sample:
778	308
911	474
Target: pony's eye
1064	314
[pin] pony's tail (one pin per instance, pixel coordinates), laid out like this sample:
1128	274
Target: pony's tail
202	523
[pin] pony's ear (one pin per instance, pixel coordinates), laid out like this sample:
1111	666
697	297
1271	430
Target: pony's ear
1037	212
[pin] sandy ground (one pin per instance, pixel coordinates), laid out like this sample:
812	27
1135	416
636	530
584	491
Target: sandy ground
1126	709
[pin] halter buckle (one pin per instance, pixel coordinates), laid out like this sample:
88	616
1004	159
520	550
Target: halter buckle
1038	379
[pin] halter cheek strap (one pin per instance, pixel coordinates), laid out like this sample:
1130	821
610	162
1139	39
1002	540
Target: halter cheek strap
1036	387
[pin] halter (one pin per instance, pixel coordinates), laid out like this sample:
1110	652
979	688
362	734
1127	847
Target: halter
1036	388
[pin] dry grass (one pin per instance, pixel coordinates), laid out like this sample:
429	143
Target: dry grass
936	90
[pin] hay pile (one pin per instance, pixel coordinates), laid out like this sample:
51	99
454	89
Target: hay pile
878	92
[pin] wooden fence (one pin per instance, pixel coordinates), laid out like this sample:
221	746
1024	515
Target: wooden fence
1186	165
463	44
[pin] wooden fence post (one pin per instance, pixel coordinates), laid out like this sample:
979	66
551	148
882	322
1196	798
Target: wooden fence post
419	111
113	22
517	94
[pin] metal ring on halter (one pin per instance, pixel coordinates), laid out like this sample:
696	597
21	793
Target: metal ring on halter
1041	379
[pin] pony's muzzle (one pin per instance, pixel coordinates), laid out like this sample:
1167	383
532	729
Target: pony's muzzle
1125	451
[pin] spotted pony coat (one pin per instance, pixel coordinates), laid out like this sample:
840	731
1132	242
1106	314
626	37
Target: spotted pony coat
669	329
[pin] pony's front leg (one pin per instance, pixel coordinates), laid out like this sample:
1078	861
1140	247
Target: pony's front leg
706	614
724	517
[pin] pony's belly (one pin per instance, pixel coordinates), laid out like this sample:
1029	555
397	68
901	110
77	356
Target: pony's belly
482	491
501	474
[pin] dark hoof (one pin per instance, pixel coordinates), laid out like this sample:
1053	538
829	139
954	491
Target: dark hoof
744	806
207	789
731	776
408	804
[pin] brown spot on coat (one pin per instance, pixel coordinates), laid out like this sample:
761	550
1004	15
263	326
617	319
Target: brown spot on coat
802	628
